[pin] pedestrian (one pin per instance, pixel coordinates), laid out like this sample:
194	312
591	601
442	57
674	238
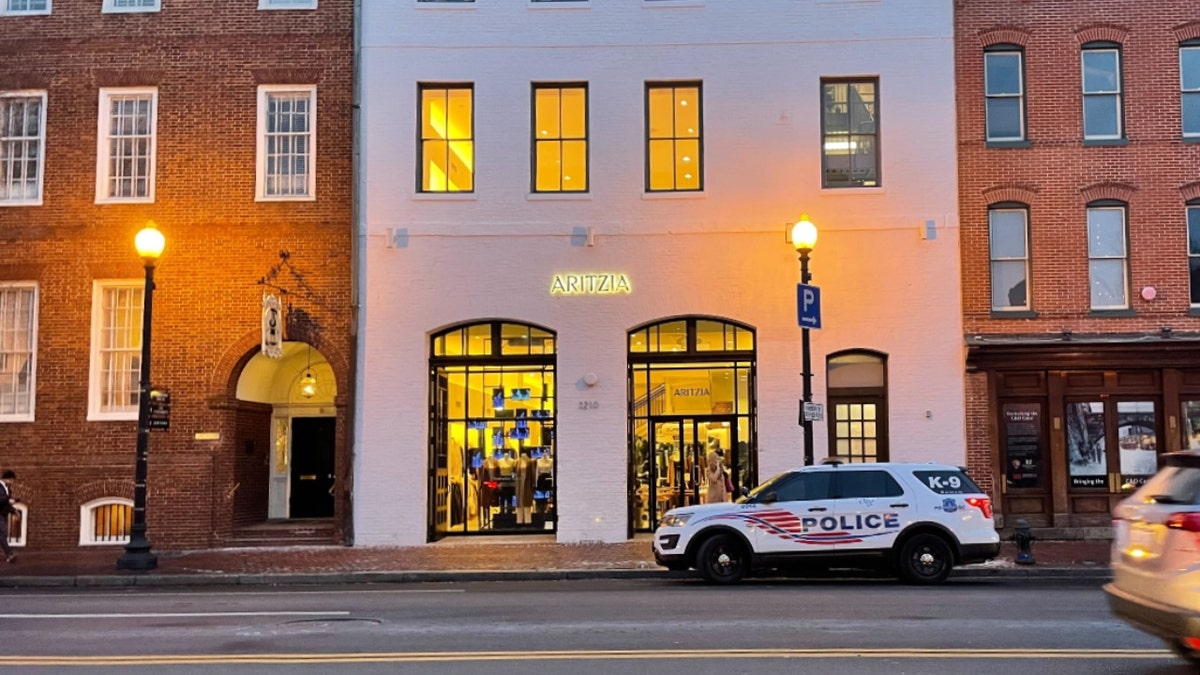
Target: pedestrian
7	509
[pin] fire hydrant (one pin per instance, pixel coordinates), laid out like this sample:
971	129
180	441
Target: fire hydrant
1023	538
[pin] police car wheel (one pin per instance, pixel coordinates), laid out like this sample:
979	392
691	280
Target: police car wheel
722	560
925	559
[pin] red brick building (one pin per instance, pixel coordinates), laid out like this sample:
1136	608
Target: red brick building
230	126
1079	176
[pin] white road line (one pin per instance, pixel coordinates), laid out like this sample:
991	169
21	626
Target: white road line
167	615
148	592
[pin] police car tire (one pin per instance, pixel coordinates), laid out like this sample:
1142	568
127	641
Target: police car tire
713	569
913	571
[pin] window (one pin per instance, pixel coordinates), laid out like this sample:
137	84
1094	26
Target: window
22	145
1107	258
805	487
131	6
286	142
1101	93
1193	234
850	124
287	4
105	521
1189	84
674	151
18	350
867	485
1004	91
8	7
857	394
18	526
125	145
447	138
1008	239
560	145
116	350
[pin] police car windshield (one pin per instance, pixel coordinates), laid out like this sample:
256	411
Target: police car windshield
764	487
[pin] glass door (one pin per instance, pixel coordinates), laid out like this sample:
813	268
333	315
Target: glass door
669	466
1112	446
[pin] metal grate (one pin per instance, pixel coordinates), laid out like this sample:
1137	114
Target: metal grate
111	523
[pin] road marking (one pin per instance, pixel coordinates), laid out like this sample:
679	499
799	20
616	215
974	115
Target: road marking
583	655
167	615
147	592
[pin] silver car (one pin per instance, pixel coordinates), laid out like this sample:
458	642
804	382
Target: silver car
1156	556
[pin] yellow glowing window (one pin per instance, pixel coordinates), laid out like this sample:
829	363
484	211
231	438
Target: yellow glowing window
673	137
560	149
447	139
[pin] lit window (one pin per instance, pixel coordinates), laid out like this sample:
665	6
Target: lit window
858	396
18	350
1004	90
1108	260
18	526
131	6
22	147
1189	84
286	142
13	7
850	144
560	145
447	138
1101	93
1008	239
105	521
116	350
674	150
126	145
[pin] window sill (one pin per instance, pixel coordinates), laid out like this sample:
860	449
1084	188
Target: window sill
139	200
40	12
7	419
1101	142
131	10
113	417
1194	311
1009	144
1191	139
831	191
656	4
14	203
444	197
665	194
1014	314
558	197
306	198
1112	313
560	4
449	4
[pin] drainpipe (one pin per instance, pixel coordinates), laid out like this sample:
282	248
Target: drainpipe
357	253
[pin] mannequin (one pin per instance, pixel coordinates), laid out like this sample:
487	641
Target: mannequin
526	474
715	473
488	472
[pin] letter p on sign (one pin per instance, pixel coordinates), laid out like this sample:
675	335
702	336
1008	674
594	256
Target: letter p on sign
808	305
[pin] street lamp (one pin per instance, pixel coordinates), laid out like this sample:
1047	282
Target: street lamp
149	243
804	238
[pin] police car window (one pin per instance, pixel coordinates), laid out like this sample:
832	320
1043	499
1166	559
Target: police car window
948	482
861	484
805	487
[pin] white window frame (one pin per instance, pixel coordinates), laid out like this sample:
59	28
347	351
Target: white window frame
993	259
18	539
87	521
1184	93
287	4
1117	94
110	7
96	413
1190	212
41	166
32	378
102	149
5	10
1020	95
260	187
1124	258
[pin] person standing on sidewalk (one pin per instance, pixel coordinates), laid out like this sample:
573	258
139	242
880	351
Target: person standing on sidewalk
7	509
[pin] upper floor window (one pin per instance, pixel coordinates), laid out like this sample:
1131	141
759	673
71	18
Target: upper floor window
560	142
131	6
1193	235
125	145
850	140
286	142
22	145
1004	91
1102	93
1189	84
674	137
447	138
116	350
1008	241
18	350
287	4
1108	258
24	7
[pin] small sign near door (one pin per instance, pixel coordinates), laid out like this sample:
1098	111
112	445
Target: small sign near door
811	412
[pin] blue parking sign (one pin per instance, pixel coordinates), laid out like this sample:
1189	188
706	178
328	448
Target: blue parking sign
808	305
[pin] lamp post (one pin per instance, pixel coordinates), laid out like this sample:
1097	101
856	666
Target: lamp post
137	556
804	238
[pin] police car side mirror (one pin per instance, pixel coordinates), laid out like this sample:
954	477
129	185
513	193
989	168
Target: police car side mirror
769	498
744	491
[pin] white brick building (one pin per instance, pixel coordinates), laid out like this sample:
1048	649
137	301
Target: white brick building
509	144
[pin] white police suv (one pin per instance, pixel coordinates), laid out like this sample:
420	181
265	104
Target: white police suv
918	520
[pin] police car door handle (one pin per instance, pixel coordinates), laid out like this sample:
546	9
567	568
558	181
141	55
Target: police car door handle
817	508
901	505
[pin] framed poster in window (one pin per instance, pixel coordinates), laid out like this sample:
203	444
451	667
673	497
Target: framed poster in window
1022	451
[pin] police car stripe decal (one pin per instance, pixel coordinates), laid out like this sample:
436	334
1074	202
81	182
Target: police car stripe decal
822	531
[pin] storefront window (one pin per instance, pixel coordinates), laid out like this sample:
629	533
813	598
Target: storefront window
1086	448
1191	425
1023	445
1138	441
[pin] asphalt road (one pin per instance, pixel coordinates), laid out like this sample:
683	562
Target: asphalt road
584	628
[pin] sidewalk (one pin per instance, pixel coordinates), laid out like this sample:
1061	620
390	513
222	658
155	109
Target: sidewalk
477	559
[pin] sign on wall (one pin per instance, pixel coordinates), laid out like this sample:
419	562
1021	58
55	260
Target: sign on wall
590	284
272	327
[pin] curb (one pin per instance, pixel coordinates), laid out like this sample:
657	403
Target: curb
446	576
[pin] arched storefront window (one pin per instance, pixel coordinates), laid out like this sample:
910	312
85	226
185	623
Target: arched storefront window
691	393
491	430
857	397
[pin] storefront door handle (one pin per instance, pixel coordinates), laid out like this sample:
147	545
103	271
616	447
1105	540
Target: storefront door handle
817	508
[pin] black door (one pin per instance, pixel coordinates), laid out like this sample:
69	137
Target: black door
312	467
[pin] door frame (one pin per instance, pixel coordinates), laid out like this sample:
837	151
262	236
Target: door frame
654	421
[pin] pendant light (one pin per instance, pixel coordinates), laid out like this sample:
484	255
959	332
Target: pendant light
308	383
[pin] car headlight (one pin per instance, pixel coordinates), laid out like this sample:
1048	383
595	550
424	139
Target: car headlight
675	519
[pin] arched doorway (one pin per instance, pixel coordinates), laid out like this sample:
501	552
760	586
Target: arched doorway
492	454
286	405
691	392
858	396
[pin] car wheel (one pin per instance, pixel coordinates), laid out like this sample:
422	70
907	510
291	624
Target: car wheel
925	559
722	560
1182	651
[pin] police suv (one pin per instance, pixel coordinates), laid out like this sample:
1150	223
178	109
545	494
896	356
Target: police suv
918	520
